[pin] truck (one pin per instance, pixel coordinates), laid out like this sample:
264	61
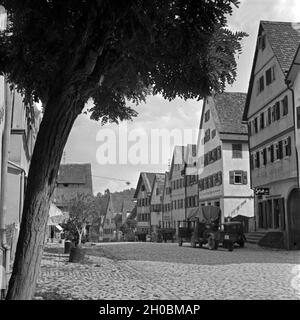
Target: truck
203	226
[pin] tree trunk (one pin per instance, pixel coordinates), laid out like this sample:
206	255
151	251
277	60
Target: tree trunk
60	113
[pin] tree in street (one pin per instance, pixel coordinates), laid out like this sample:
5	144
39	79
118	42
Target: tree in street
83	212
64	53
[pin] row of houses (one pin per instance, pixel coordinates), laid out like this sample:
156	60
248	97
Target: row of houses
214	172
246	160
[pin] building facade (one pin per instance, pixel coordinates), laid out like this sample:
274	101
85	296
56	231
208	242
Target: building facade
223	164
72	179
166	214
142	196
156	201
272	137
177	183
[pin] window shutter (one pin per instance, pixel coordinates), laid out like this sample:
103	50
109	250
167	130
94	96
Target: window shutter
231	177
245	181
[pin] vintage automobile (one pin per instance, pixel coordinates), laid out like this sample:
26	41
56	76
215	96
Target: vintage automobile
203	227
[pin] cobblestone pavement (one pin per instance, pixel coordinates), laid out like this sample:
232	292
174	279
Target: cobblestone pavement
167	271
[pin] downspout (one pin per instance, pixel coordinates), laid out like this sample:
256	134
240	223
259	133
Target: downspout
4	247
297	163
4	164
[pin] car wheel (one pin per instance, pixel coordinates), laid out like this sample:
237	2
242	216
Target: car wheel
230	246
211	243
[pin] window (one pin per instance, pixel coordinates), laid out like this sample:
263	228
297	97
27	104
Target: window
260	85
257	160
142	188
280	150
288	149
255	125
207	115
251	162
249	128
207	135
264	154
285	107
219	152
298	117
271	149
238	177
269	120
237	151
270	75
277	110
157	191
213	133
262	120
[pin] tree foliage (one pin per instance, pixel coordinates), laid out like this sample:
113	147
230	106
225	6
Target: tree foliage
114	51
83	211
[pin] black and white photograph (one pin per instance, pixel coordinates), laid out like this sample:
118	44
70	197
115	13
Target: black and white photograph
150	154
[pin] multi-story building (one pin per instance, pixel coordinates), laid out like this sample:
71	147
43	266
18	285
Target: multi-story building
142	195
166	215
223	164
177	183
270	113
156	201
191	179
72	179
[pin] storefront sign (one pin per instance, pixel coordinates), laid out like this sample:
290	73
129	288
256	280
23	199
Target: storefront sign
262	191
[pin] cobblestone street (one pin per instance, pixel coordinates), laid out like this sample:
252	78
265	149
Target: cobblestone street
167	271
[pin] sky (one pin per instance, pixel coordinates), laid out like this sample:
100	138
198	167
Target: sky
119	153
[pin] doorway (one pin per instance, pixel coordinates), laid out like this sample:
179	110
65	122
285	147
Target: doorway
294	219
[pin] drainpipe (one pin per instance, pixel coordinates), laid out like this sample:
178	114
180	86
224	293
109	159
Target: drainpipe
297	163
3	203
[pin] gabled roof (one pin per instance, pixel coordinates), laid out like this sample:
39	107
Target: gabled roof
128	205
229	108
159	179
295	67
284	38
147	178
74	173
178	157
